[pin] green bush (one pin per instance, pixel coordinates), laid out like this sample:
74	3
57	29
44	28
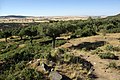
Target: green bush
17	67
84	49
56	52
37	56
67	57
112	65
114	30
103	31
97	51
76	59
73	36
25	74
60	42
3	45
117	48
9	47
20	66
112	48
17	55
109	48
107	55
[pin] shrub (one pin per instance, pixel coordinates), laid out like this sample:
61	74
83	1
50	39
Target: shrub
9	47
67	57
60	42
84	49
76	59
97	51
37	56
30	74
73	36
103	31
57	52
20	66
112	65
109	48
112	48
2	45
25	74
23	55
17	55
117	48
17	67
107	55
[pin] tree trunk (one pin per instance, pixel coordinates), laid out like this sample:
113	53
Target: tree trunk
21	38
6	39
53	42
31	40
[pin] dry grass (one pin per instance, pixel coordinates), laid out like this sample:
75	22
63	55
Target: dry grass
22	45
109	38
99	64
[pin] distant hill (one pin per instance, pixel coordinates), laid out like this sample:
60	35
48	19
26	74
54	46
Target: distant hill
14	16
118	15
20	16
115	16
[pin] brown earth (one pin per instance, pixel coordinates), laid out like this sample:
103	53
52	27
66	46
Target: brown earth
100	65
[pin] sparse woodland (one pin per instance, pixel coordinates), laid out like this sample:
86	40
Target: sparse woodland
24	47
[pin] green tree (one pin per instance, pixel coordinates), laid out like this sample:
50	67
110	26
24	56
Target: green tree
6	34
109	26
15	31
21	33
31	31
53	31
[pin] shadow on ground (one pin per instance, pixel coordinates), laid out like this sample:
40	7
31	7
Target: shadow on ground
89	45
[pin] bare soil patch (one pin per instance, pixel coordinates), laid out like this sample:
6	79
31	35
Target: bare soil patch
100	65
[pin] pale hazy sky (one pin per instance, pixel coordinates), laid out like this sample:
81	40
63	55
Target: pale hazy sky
59	7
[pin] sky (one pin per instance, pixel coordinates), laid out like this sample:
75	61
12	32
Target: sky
59	7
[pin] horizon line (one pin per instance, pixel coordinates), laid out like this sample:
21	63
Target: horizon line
55	15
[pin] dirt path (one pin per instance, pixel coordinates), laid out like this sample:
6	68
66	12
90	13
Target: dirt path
3	39
100	65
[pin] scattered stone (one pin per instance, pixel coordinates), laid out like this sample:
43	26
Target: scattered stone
90	71
38	60
54	75
72	76
52	63
40	68
30	62
94	63
46	67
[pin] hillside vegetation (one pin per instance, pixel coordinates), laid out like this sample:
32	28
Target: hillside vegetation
71	50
